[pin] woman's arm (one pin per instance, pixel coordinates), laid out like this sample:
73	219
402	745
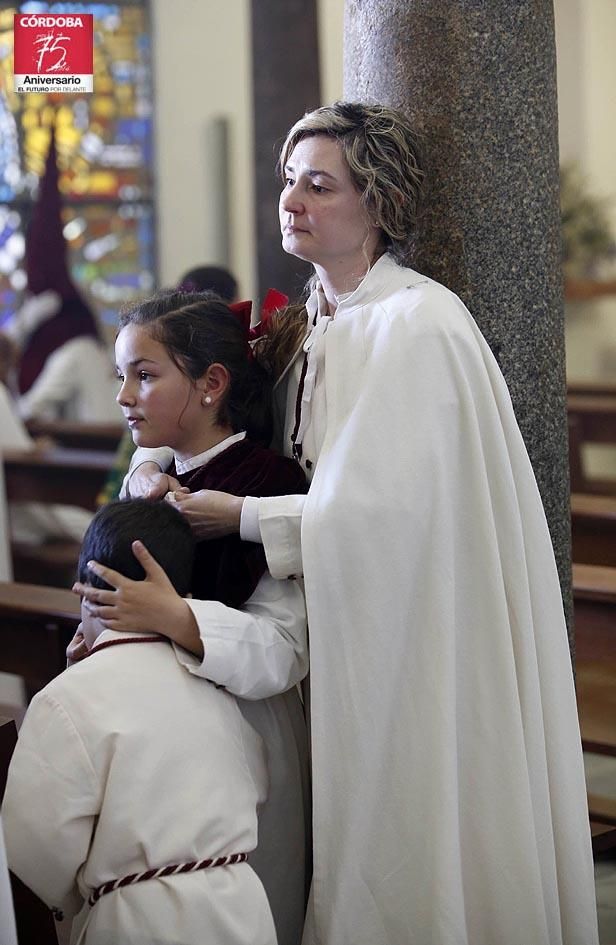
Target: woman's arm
280	528
274	521
254	652
258	651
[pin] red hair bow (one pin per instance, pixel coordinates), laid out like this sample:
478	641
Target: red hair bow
271	303
243	311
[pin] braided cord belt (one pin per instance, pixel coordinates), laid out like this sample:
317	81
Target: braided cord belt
174	870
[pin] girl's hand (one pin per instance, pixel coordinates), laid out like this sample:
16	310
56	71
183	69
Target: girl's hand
148	482
151	605
210	514
77	649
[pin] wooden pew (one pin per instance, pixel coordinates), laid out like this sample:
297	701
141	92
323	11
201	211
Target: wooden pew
33	919
593	529
55	475
591	419
594	595
81	436
591	388
73	477
36	626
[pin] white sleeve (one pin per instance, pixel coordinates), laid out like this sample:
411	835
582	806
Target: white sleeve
51	801
13	434
54	386
36	310
162	456
280	525
255	652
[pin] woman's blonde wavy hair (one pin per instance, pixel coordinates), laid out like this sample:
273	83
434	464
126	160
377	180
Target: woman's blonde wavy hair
383	154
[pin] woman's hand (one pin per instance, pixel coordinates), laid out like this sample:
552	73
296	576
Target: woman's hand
77	649
151	605
210	514
148	482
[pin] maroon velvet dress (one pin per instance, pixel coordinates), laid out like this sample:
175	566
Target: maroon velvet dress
229	569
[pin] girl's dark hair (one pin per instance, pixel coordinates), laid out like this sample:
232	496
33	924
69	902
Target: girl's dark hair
199	330
162	529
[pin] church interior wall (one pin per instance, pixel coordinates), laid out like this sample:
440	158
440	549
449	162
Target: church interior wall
585	35
202	71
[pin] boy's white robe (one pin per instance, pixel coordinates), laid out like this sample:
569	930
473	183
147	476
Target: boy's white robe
448	786
125	763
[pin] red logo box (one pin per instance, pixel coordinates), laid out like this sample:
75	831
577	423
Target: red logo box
54	52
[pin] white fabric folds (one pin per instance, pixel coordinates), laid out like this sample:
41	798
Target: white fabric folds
448	786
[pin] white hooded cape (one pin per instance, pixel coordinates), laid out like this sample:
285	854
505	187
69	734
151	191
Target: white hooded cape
448	786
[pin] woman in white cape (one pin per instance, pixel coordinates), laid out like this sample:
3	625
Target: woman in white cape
448	786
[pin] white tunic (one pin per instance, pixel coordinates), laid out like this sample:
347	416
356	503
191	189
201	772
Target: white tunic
77	383
126	763
448	786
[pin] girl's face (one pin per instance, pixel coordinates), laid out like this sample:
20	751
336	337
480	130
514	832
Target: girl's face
321	216
162	406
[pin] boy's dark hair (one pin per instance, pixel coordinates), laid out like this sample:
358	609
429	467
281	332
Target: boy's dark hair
162	529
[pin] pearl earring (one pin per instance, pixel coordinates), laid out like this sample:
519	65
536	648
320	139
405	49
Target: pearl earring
207	400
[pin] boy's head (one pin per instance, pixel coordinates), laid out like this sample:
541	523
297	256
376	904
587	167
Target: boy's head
158	525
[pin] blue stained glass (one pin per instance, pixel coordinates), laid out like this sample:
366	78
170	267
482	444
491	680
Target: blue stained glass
9	152
98	9
105	148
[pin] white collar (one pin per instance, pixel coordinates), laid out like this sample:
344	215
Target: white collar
194	462
377	280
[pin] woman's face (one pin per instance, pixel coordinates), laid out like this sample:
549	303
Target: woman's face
321	216
160	404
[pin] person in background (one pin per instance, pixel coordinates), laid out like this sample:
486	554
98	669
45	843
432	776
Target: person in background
31	522
448	785
214	279
65	371
132	794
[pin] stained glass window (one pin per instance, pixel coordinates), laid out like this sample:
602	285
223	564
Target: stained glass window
104	144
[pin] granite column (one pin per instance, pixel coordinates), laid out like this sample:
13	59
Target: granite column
479	81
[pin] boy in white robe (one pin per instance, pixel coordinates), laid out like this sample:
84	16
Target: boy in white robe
126	764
